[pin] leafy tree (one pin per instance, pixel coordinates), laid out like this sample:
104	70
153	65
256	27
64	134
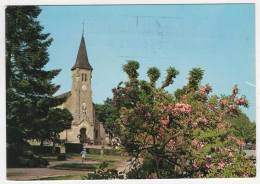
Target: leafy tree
244	128
107	114
31	106
185	136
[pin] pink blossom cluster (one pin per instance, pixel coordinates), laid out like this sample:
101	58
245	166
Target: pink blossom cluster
238	141
202	120
208	165
241	101
164	120
170	145
195	165
221	164
223	102
178	108
221	125
204	90
197	144
232	108
194	124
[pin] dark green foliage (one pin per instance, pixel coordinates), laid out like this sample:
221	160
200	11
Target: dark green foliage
131	69
171	74
195	76
21	156
107	114
73	147
153	74
194	79
244	128
30	105
43	150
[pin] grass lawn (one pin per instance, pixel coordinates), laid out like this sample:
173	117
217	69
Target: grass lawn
90	157
81	166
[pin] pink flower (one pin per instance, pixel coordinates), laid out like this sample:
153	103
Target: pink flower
182	108
202	120
194	124
208	165
170	145
196	144
220	125
241	101
178	108
164	120
223	102
200	145
221	164
195	165
199	174
204	90
236	140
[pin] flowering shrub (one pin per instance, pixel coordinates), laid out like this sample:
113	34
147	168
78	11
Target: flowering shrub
183	135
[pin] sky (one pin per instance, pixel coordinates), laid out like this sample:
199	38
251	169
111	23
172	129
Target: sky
219	38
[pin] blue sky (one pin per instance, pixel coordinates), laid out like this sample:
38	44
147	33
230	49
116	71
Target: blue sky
218	38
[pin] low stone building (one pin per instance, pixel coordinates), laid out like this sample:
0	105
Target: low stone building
84	127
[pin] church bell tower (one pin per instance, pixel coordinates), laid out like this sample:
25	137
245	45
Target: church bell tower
81	94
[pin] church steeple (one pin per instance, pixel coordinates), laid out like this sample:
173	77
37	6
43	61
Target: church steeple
82	57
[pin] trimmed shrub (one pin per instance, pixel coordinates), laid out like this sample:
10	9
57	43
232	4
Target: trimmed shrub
73	147
44	149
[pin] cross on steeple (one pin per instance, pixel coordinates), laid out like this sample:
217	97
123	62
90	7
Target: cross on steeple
83	26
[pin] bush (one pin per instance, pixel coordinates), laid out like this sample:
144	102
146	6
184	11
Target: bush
73	147
44	149
23	157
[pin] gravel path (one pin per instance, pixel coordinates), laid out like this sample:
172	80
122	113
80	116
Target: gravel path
38	173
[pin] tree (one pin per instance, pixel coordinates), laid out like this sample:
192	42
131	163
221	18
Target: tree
185	136
31	105
244	128
107	114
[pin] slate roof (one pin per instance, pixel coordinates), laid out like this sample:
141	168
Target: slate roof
82	57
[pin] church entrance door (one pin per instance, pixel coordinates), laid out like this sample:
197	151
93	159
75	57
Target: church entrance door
83	136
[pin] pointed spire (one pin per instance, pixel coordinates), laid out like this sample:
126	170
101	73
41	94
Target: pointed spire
82	57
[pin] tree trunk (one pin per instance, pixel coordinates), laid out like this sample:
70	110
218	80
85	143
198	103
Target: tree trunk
53	146
41	144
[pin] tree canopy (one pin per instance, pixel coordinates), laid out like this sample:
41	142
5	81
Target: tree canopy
31	104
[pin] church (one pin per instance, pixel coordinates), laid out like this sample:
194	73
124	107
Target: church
84	126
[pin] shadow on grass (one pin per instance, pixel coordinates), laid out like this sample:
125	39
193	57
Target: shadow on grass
77	166
68	177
